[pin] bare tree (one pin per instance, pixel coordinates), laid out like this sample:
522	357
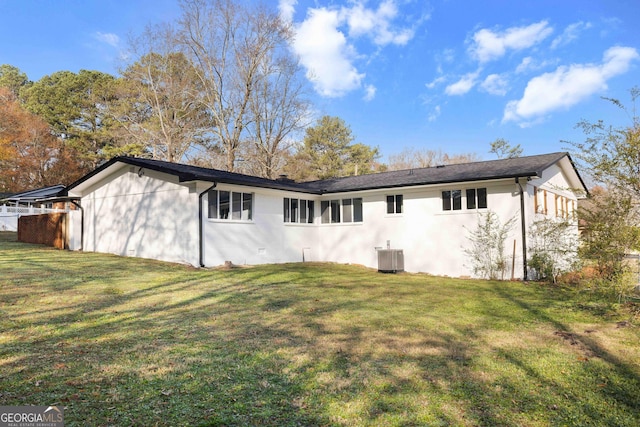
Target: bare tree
411	158
158	105
247	77
278	110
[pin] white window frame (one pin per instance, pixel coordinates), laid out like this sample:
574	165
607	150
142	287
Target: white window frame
396	203
342	211
237	210
291	215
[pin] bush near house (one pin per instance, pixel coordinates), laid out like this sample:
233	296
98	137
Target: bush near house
125	341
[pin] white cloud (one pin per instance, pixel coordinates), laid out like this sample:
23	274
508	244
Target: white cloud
376	24
434	114
495	84
324	41
530	64
489	45
108	38
524	65
448	55
567	86
287	9
370	92
571	33
435	82
326	55
462	86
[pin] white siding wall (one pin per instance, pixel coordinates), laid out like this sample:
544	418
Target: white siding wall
265	239
148	216
154	216
433	240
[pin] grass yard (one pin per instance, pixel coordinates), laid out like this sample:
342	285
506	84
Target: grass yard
123	341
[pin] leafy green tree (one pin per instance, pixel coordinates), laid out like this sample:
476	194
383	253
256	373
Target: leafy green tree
611	155
611	218
611	229
503	149
74	105
11	77
328	152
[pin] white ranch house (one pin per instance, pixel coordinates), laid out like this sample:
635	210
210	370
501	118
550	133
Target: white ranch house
206	217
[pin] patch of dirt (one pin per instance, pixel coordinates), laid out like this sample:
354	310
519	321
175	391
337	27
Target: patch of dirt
622	324
574	339
567	336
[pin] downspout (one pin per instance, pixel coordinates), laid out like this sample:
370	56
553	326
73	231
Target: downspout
76	204
200	227
524	231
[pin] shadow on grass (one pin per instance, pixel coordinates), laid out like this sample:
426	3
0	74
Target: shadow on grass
130	342
618	384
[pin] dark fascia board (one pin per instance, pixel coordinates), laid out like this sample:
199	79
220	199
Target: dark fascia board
313	187
418	184
575	169
207	175
91	174
522	167
133	161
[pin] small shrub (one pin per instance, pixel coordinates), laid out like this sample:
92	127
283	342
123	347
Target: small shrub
553	248
487	251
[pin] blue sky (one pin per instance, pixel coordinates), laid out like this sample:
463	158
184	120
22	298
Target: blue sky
444	74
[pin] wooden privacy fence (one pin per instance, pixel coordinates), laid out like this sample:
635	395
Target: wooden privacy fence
47	229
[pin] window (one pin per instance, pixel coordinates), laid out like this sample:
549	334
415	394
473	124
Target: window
325	214
357	210
452	200
306	211
230	205
394	204
225	202
294	210
345	210
247	206
335	211
476	198
298	210
287	209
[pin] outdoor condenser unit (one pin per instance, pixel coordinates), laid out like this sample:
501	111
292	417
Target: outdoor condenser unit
390	260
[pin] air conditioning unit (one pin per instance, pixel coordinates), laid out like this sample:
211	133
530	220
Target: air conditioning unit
390	260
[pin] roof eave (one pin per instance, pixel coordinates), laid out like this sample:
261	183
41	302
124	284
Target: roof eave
439	182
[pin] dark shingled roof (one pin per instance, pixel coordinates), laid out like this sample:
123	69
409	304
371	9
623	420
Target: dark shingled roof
37	194
476	171
196	173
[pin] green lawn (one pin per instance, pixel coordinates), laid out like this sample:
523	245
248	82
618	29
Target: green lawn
123	341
